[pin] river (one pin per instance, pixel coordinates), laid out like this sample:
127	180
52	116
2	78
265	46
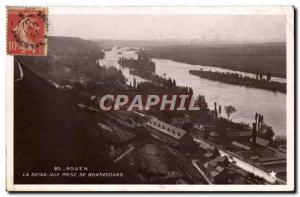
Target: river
246	100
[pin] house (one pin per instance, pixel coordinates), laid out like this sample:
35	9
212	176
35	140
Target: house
207	147
165	128
239	134
275	164
209	127
261	143
216	169
214	136
219	160
178	121
254	158
208	155
240	146
165	132
199	127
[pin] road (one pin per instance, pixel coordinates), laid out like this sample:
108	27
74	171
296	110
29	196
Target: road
194	162
124	154
132	148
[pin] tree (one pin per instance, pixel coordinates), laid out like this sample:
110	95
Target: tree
229	110
220	109
174	83
205	134
279	141
269	133
187	125
190	91
215	153
260	76
134	83
169	83
269	76
216	112
201	103
266	132
226	161
260	121
256	119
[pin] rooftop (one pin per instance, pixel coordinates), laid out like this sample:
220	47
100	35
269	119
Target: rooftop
166	128
240	134
261	141
240	145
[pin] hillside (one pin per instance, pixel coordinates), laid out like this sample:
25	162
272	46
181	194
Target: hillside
70	45
71	59
50	130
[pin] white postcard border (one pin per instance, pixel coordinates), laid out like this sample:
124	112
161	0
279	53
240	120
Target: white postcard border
288	11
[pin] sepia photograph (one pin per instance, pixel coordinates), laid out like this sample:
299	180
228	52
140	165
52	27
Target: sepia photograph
150	98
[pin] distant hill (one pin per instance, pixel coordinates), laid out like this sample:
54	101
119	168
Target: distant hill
253	58
69	45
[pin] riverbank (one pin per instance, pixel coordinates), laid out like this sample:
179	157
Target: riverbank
236	79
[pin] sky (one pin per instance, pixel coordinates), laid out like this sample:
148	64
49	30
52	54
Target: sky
242	28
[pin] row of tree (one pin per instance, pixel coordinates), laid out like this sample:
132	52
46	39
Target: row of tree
238	79
228	110
263	129
260	76
143	63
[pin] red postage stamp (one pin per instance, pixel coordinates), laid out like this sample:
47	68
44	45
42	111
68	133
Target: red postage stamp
27	31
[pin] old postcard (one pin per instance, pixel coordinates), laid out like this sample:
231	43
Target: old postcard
150	99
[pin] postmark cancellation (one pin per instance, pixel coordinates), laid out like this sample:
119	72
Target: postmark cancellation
27	31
